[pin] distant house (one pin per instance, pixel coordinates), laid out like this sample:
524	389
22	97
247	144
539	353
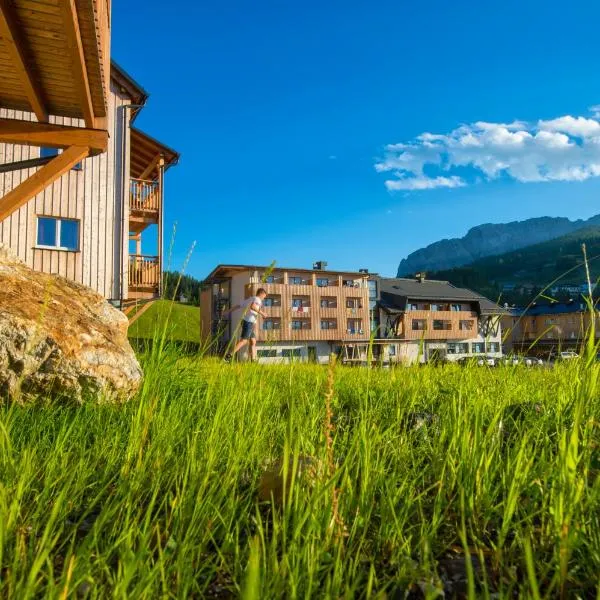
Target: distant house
543	328
424	319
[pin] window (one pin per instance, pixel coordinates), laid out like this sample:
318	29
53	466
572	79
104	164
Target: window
295	280
455	307
465	325
328	324
270	279
270	324
440	325
413	306
353	303
268	302
455	348
436	308
300	302
419	324
62	234
322	281
46	152
354	326
329	302
292	353
298	324
266	353
372	289
493	347
478	348
392	350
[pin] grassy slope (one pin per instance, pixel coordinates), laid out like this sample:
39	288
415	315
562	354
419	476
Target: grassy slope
158	498
538	264
183	322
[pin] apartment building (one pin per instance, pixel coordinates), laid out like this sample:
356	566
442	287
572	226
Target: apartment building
79	183
311	312
542	329
421	320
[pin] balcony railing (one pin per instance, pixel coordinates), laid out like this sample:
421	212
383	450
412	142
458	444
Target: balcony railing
143	195
144	271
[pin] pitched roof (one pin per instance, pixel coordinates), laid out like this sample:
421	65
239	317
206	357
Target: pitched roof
396	292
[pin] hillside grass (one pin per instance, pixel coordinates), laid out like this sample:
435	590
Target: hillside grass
475	482
180	322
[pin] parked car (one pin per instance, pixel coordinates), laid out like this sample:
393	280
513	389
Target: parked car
489	361
564	355
532	361
510	361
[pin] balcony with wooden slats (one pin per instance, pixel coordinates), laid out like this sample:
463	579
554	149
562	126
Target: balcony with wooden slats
144	276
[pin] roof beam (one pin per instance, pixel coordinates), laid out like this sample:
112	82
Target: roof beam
41	179
79	68
153	164
30	133
9	31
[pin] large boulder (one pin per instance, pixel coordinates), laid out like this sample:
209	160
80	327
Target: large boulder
59	339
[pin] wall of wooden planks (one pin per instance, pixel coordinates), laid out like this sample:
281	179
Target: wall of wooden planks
92	195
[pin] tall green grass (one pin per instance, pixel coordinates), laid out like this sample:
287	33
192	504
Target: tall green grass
159	497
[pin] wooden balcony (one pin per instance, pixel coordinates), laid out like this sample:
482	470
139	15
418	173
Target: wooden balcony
144	276
144	204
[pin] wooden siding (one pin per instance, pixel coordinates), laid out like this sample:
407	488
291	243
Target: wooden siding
91	195
314	313
406	331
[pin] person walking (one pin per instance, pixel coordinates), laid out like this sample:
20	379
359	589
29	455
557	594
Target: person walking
252	309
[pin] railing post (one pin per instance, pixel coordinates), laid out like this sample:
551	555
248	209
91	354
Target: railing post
161	223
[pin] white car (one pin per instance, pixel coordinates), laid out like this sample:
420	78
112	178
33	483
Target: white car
489	361
532	361
567	354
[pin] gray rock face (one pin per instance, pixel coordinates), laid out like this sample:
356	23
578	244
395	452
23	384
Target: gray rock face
59	339
489	240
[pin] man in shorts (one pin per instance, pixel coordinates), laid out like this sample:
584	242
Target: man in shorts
252	309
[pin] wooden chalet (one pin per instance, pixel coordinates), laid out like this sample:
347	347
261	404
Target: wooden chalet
77	180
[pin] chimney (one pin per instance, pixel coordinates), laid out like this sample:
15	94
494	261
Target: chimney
320	265
421	277
364	271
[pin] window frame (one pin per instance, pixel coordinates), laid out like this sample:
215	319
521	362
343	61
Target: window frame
446	325
57	232
415	321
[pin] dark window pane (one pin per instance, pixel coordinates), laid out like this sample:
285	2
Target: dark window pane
46	234
47	152
69	235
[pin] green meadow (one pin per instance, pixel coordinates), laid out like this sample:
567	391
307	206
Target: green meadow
302	481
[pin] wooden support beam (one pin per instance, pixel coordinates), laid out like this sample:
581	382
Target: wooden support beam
30	133
13	41
40	179
153	164
79	68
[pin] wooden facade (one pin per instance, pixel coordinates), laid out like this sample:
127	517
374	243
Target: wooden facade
541	330
101	194
89	194
54	89
308	306
438	325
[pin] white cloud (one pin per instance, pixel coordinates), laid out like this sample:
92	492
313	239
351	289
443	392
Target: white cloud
563	149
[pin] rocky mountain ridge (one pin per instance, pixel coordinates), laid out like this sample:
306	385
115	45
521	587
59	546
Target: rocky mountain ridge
490	239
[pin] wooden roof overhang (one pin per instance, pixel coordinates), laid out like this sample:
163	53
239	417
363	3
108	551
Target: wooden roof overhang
54	60
147	154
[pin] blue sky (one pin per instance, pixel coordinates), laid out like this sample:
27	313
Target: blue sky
282	110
